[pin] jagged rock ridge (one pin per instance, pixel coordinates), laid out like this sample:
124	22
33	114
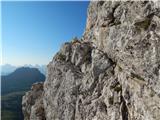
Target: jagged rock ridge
113	73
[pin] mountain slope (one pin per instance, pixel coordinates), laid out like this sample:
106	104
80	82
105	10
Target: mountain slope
41	68
20	80
112	73
11	108
7	69
13	88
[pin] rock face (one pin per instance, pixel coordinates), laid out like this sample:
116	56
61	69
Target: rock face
32	103
113	73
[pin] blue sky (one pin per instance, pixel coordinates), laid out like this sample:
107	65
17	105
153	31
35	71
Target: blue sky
32	32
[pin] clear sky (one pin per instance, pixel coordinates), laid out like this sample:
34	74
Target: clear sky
32	32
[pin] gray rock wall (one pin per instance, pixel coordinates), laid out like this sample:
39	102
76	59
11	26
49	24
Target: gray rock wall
113	73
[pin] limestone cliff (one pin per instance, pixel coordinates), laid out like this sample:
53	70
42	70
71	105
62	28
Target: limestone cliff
112	73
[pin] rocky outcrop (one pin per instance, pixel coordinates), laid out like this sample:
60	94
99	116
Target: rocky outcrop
32	103
112	73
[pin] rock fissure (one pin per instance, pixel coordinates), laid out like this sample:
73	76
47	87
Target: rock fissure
124	110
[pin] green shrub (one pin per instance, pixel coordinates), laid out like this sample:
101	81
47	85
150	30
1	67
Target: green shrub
143	24
61	57
118	88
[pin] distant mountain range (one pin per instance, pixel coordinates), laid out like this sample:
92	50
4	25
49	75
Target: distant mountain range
13	87
21	79
41	68
8	68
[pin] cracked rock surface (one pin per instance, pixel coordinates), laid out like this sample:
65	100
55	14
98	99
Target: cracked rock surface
112	73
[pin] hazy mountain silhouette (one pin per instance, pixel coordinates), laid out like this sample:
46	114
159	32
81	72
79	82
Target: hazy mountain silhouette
8	68
13	87
41	68
21	79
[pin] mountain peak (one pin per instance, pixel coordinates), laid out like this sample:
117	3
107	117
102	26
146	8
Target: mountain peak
8	68
23	76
